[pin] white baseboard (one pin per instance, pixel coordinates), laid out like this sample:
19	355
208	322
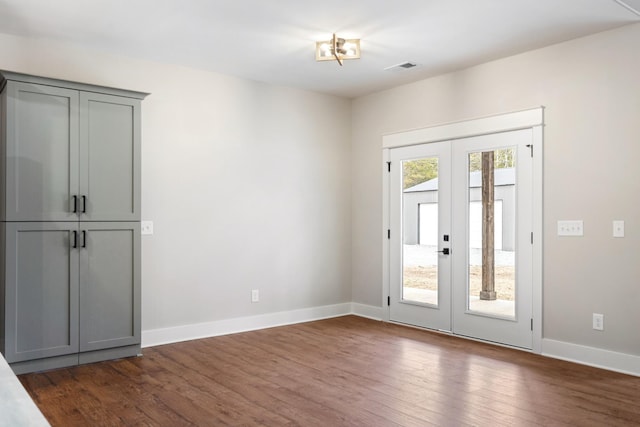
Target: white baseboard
368	311
241	324
605	359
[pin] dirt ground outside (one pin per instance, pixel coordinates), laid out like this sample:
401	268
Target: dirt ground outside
424	277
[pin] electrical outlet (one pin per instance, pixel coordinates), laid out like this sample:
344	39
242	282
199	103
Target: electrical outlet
146	227
598	321
255	295
618	228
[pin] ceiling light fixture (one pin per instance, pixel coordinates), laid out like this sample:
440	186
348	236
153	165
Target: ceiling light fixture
338	49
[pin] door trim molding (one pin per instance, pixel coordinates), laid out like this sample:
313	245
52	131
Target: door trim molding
531	118
473	127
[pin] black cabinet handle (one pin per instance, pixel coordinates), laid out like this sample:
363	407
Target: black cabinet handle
84	238
75	204
75	239
84	204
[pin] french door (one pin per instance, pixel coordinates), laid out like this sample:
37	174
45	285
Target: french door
420	292
461	244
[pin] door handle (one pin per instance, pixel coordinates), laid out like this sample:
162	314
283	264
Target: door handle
444	251
84	238
84	204
75	203
75	239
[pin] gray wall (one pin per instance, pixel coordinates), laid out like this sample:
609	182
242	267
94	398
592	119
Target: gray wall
591	92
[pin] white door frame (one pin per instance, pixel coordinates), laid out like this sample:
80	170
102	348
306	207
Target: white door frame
526	119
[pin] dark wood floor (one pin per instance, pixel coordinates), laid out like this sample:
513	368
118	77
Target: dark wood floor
346	371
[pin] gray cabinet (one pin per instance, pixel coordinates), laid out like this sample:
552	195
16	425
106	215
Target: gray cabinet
109	284
40	152
69	154
109	158
69	222
42	285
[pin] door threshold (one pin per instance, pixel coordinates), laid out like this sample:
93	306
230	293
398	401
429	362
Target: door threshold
453	334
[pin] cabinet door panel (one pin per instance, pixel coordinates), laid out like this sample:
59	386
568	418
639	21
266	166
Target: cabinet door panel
42	152
42	290
110	153
109	285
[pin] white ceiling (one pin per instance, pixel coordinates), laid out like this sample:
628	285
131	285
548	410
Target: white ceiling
273	40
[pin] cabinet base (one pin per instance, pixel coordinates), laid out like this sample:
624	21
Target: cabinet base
109	354
37	365
49	363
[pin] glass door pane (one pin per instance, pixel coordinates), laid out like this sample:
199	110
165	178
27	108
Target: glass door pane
491	186
420	230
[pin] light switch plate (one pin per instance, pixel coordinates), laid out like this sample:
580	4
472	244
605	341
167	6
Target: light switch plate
618	228
570	228
146	227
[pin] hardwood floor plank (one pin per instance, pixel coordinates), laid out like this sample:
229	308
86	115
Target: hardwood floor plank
347	371
230	394
279	384
341	365
332	372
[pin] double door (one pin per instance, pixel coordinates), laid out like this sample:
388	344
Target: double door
72	288
461	242
70	155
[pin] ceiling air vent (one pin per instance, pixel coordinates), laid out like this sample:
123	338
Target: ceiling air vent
403	66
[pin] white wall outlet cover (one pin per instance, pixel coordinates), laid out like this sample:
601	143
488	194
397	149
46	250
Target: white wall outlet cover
618	228
598	321
146	227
